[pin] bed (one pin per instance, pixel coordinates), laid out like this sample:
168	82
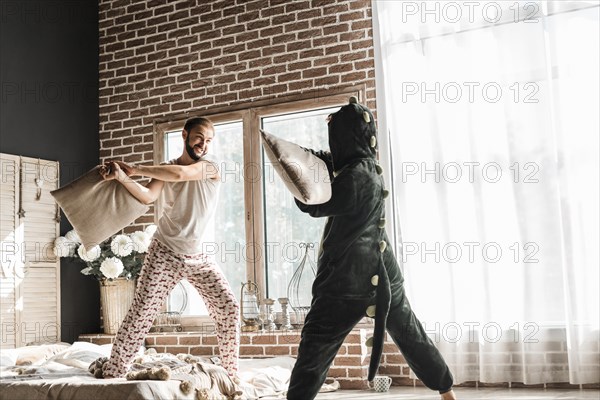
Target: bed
60	371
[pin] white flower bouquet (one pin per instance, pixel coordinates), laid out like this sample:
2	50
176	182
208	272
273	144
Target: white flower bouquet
120	256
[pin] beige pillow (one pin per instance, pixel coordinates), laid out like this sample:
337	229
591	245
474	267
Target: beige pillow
96	208
304	174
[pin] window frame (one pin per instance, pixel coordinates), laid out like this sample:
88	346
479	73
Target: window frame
250	114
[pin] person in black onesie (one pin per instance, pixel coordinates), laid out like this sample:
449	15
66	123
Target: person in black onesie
357	273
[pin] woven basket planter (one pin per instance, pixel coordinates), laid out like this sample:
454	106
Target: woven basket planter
116	297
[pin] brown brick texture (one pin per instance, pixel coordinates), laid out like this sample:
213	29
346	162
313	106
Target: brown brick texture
160	58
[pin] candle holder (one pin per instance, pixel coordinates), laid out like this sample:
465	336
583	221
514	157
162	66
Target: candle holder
285	313
249	310
269	323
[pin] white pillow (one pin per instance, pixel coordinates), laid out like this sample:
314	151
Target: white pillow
8	357
38	354
304	174
81	355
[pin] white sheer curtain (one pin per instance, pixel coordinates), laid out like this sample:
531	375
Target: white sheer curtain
488	114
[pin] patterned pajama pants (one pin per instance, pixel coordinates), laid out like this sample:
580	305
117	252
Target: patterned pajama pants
162	270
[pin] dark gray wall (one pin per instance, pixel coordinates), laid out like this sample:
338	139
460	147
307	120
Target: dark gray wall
49	109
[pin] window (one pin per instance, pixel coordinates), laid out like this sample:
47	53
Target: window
257	229
286	227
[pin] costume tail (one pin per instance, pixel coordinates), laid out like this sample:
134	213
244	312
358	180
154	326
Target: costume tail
384	295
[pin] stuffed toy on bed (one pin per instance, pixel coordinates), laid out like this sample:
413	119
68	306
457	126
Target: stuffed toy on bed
358	274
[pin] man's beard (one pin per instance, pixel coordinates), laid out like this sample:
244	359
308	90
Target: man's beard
190	151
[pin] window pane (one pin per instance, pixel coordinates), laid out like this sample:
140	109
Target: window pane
286	226
224	237
173	145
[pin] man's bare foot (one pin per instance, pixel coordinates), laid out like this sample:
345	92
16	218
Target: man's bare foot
449	395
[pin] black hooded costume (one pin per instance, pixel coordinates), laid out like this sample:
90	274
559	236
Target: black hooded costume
357	272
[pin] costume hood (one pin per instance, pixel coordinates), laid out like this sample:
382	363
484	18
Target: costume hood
352	134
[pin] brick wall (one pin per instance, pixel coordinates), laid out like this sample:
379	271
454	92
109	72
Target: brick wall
161	58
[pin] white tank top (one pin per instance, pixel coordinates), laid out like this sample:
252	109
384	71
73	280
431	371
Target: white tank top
186	207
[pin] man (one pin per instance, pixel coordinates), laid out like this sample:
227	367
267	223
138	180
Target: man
357	273
189	188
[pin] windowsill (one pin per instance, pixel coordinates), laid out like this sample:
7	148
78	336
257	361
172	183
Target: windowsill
204	324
